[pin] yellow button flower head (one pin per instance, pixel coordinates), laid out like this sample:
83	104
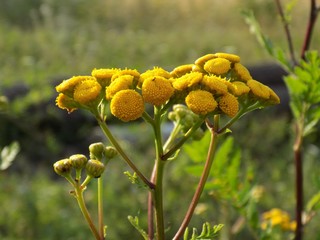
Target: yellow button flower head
229	105
132	72
202	60
258	89
201	102
231	57
239	88
217	66
157	90
65	102
156	71
187	80
127	105
215	84
242	72
121	83
87	91
181	70
67	86
104	75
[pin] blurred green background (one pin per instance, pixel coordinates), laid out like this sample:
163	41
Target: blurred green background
45	41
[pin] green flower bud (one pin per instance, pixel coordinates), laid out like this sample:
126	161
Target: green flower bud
172	116
94	168
63	167
181	110
97	150
78	161
110	152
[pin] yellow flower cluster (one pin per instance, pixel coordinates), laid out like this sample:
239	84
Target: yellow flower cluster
226	79
215	83
277	217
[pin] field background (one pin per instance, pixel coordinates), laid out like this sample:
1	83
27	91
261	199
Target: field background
45	41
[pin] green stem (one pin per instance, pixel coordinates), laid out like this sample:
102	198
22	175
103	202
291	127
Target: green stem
115	143
85	212
200	187
158	199
158	191
100	207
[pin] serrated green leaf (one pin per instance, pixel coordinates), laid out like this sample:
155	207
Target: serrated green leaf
197	150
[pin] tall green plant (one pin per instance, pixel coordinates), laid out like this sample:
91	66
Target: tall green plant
215	90
303	84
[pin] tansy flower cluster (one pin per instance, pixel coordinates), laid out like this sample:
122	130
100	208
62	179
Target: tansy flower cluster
277	217
214	84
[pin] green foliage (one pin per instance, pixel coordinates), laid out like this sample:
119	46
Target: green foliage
304	85
208	232
225	177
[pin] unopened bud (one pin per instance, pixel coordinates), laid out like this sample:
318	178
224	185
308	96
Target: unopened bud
110	152
63	167
180	110
97	150
95	168
78	161
172	116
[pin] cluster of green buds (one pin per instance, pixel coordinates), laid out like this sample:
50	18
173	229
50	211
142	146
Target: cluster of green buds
100	155
184	119
214	84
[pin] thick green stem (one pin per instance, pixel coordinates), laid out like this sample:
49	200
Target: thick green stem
200	187
85	212
158	199
158	190
114	142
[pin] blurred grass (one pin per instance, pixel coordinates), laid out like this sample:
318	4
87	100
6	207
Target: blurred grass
42	40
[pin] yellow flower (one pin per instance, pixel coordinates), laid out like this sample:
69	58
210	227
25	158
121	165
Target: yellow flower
132	72
274	98
242	72
277	217
104	75
127	105
217	66
202	60
229	104
157	90
187	80
65	102
181	70
121	83
156	71
258	89
239	88
201	102
215	84
67	86
87	91
231	57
